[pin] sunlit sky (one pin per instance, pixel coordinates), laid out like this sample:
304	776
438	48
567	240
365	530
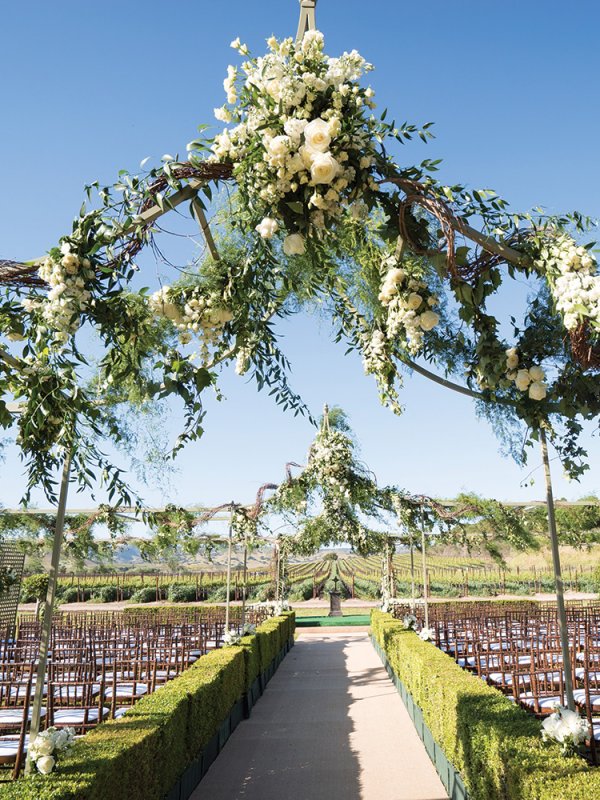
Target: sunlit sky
89	88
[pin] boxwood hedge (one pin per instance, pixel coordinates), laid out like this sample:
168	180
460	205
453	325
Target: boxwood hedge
142	755
495	746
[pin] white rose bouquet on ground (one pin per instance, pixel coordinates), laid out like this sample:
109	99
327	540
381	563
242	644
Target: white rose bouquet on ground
231	638
409	621
427	634
567	728
48	747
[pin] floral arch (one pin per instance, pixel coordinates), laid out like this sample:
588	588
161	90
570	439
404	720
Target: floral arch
323	213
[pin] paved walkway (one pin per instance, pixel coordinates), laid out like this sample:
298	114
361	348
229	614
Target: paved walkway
330	726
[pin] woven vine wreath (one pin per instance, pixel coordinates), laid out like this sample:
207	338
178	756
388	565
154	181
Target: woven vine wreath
317	211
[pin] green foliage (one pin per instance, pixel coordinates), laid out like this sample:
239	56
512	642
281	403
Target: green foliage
34	588
578	526
146	594
181	593
495	746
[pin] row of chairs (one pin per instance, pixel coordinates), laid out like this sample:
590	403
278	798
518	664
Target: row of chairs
98	668
519	653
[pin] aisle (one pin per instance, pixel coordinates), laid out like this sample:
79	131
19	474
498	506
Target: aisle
330	726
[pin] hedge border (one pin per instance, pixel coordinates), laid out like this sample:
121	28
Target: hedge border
161	749
450	777
495	747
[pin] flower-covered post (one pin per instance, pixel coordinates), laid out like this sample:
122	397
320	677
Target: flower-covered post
560	599
49	606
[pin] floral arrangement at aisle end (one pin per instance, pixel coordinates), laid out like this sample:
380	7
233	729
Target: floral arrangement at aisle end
303	143
427	634
410	622
232	637
248	629
280	606
567	728
49	746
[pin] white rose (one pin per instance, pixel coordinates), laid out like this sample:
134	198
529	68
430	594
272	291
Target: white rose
62	739
317	135
396	275
295	128
278	145
45	764
537	390
537	374
293	245
522	380
324	168
222	114
512	358
268	227
43	745
551	726
220	316
414	301
428	320
70	261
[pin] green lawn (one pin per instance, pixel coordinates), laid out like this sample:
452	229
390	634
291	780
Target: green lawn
353	611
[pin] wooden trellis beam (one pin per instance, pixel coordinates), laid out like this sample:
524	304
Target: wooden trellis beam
307	20
200	218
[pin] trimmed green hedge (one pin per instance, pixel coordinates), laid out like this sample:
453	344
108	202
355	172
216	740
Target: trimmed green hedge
142	755
495	746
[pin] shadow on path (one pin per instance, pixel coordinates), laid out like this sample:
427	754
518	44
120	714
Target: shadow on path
327	728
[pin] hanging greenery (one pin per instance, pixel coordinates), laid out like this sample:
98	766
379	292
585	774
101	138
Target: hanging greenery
323	214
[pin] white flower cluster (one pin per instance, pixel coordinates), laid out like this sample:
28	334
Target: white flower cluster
573	280
374	356
303	113
409	621
67	276
426	634
532	380
192	312
329	459
232	637
48	746
248	629
280	606
566	727
409	305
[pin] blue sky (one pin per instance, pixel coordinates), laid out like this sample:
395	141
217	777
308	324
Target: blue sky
87	89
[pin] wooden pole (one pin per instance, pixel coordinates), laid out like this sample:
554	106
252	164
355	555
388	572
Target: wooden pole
49	605
560	598
424	565
229	553
412	567
245	580
307	21
277	568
